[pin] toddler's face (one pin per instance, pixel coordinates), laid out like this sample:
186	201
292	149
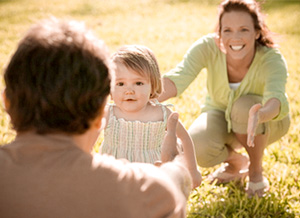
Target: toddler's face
130	91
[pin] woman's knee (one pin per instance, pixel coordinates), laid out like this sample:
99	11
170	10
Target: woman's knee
209	134
277	129
210	147
209	152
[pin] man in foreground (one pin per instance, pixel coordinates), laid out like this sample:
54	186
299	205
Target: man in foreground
57	83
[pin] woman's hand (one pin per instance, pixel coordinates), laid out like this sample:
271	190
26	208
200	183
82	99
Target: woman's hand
169	90
253	121
261	114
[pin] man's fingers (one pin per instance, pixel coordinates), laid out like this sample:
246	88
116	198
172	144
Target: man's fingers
172	122
168	148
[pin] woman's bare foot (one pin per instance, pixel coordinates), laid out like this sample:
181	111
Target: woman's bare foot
258	188
235	168
236	163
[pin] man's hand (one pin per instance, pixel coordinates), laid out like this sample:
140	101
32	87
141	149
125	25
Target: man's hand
173	162
169	147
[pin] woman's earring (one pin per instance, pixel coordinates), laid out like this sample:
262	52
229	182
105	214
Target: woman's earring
257	35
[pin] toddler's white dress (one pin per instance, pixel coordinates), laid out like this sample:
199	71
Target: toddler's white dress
134	140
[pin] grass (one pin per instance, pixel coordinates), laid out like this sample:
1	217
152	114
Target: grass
169	27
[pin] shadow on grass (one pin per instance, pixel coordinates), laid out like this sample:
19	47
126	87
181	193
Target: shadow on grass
230	200
8	1
207	2
281	7
275	4
266	4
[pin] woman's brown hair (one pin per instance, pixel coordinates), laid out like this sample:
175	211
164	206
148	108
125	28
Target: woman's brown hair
253	8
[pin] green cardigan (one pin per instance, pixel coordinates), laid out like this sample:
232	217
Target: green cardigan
266	77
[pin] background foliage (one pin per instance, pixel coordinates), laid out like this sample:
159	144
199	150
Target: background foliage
169	27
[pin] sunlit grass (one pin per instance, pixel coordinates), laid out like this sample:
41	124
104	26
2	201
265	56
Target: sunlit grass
169	27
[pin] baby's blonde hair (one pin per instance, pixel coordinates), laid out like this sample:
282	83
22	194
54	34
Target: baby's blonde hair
142	60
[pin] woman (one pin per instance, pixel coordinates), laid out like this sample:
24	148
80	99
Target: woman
246	100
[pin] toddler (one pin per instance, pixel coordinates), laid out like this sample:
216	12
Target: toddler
136	123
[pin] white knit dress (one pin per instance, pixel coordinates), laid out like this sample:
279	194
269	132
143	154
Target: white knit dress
134	140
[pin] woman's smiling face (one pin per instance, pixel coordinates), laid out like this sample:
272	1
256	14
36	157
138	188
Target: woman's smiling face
238	35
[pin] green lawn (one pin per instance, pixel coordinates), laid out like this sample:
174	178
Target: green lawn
169	27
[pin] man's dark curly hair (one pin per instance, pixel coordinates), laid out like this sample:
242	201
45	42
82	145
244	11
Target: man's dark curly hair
58	78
